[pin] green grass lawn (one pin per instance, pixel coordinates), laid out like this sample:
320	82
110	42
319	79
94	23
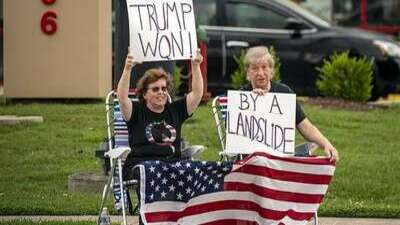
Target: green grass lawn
38	158
28	222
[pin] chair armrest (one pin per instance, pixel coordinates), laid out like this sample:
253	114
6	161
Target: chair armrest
120	153
305	149
191	151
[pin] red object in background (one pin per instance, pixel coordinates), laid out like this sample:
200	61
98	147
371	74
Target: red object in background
49	2
365	24
48	22
365	15
203	68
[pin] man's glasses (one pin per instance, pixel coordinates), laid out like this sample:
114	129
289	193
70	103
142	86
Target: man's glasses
157	89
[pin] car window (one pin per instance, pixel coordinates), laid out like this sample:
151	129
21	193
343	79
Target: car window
347	12
250	15
383	12
206	12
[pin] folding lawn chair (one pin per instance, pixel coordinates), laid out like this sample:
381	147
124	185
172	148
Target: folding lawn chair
118	149
219	109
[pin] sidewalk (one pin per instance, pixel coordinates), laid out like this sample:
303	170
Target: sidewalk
134	220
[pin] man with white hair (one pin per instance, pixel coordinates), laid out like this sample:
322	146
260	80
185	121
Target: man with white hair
260	71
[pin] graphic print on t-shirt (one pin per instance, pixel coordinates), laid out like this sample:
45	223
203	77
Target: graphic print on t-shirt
160	133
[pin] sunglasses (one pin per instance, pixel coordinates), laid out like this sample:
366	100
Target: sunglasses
157	89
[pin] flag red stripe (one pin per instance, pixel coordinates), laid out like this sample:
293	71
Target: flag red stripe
222	100
231	222
161	216
273	194
303	160
284	175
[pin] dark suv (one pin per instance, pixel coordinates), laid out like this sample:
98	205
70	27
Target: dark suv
301	39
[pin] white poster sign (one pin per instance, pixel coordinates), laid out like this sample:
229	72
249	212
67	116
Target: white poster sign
161	29
260	123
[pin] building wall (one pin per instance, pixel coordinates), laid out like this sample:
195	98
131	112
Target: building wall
75	62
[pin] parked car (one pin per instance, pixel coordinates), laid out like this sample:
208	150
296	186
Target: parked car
301	39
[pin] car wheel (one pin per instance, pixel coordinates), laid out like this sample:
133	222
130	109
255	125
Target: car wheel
378	88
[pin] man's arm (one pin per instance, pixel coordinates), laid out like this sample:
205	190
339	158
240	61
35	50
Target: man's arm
194	97
311	133
125	103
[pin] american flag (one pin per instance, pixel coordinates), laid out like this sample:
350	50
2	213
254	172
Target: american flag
261	189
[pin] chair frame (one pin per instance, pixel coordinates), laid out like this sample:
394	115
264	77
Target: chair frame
300	150
116	155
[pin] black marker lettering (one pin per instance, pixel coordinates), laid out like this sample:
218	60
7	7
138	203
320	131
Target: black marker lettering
173	9
254	100
179	45
275	104
140	14
151	12
244	104
148	46
185	11
168	47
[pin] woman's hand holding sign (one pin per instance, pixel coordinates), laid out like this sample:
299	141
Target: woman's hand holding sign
194	97
197	59
123	86
130	61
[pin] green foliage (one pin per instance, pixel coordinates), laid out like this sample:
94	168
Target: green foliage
177	73
345	77
277	66
201	34
43	222
239	75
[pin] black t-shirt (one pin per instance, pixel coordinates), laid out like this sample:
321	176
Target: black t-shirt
151	134
282	88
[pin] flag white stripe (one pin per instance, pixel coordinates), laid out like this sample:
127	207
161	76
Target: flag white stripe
288	186
162	223
224	214
263	202
233	214
142	191
293	166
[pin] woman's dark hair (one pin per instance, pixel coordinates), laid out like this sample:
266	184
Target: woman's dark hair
151	76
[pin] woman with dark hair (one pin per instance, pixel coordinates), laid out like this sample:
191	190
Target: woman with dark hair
154	124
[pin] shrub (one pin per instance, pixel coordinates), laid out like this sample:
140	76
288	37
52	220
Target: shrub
345	77
277	67
239	75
